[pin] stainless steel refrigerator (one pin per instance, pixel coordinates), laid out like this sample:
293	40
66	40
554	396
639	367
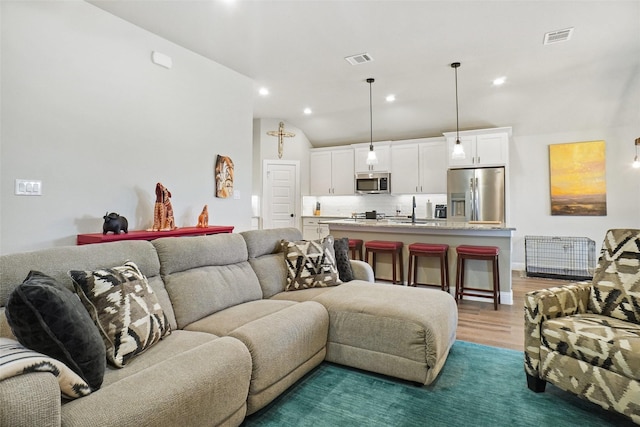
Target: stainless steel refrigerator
476	194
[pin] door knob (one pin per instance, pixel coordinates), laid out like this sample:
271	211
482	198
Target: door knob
291	215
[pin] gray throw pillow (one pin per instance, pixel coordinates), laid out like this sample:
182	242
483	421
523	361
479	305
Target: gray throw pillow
341	247
48	318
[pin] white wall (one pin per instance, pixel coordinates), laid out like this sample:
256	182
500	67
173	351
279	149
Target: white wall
86	111
530	195
265	147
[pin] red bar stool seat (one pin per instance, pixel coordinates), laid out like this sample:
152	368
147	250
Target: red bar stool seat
355	245
483	253
386	247
429	250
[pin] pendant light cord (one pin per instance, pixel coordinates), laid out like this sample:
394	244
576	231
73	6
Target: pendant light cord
457	119
455	66
370	80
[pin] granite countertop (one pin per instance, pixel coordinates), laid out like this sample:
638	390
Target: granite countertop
420	223
327	216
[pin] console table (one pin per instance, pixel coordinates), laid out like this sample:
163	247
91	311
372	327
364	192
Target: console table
86	239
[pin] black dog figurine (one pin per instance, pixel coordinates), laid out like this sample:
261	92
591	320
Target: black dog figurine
114	222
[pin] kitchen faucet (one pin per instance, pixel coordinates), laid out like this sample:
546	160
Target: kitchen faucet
413	211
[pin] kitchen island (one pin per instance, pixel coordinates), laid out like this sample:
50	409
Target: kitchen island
477	273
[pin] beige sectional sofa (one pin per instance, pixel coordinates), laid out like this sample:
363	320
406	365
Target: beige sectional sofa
238	340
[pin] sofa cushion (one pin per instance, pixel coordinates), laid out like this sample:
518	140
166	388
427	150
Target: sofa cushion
225	321
616	282
271	272
310	264
598	340
125	309
341	247
264	242
187	379
401	331
57	261
16	360
48	318
206	274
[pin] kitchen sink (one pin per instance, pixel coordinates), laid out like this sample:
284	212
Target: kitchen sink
417	221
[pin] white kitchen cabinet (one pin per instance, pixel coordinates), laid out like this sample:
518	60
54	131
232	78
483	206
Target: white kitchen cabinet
433	167
313	230
383	153
486	147
419	167
331	172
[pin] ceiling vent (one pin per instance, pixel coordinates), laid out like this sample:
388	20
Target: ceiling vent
558	36
360	58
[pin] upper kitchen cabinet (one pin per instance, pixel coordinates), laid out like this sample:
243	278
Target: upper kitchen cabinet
331	172
485	147
419	166
383	153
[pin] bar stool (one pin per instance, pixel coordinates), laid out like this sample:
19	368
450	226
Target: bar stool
483	253
385	247
355	245
429	250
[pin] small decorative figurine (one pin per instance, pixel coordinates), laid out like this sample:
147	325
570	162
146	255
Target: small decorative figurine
203	219
163	211
114	222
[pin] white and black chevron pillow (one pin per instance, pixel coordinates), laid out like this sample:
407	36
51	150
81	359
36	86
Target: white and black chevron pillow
310	264
15	359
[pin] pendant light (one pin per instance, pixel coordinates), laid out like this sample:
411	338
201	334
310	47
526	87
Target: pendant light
458	149
636	162
372	159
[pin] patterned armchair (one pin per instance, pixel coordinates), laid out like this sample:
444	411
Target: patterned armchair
585	337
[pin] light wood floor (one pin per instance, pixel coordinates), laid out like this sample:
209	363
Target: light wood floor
478	322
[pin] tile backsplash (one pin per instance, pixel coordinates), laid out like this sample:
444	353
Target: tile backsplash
382	203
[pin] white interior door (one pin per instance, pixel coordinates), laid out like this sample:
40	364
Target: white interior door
281	184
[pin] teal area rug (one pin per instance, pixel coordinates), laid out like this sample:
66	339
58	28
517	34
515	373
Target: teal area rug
478	386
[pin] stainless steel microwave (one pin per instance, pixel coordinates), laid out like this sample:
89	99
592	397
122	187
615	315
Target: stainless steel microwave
373	182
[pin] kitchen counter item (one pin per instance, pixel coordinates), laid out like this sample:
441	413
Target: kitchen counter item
441	211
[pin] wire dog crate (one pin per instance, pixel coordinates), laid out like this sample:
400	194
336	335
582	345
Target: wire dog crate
570	258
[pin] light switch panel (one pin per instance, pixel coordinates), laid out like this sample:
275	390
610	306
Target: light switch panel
28	187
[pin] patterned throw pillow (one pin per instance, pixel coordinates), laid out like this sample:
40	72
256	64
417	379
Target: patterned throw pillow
50	319
341	247
125	309
16	359
310	264
616	282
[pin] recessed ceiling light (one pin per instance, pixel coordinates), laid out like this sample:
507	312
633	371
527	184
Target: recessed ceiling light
263	91
390	98
307	111
499	81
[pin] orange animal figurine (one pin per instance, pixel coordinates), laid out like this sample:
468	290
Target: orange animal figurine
163	211
203	219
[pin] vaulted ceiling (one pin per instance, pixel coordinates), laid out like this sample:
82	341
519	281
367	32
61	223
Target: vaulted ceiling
297	50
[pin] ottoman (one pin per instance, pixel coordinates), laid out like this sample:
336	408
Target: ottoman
403	332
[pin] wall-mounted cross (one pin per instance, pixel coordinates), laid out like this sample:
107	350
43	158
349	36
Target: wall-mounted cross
281	134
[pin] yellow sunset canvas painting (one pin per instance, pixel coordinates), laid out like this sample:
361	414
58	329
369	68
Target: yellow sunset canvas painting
578	178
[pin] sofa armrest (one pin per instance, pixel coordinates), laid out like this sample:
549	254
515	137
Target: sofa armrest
362	271
545	304
30	400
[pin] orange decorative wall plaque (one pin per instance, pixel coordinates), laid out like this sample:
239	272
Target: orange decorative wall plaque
578	178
